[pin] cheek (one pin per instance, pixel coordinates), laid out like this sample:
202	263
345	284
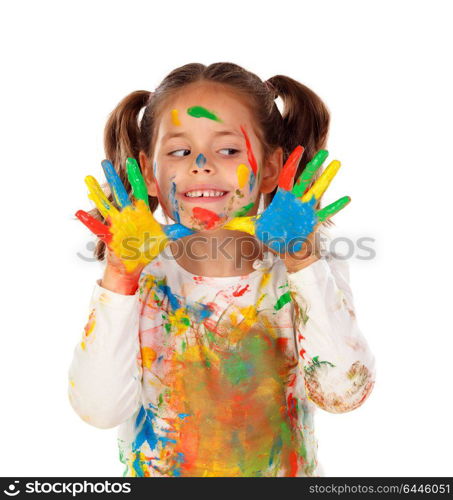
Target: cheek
246	179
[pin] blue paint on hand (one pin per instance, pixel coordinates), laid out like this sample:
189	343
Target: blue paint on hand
116	186
176	231
286	222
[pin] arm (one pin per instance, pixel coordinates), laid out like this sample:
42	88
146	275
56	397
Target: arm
338	365
105	373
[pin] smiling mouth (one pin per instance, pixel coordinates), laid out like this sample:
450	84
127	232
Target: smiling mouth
205	195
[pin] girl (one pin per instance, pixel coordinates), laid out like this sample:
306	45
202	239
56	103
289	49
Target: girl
211	341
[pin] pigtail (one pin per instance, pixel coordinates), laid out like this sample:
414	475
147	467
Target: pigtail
305	120
122	140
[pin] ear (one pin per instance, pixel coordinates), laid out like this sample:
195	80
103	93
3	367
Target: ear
271	171
147	172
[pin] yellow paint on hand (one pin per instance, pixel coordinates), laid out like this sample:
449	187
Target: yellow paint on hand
243	174
246	224
319	187
97	195
174	117
146	240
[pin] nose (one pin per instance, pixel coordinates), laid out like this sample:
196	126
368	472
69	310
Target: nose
201	165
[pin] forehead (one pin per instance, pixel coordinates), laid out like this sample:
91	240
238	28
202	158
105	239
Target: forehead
225	103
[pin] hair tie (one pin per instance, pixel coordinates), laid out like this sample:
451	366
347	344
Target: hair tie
271	89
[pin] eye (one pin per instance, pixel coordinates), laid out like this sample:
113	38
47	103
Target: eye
232	151
173	153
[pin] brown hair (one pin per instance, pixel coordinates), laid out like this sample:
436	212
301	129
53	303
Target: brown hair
305	118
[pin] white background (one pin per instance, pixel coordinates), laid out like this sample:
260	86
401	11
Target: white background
384	70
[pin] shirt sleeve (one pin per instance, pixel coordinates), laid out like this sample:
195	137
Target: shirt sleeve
339	368
104	379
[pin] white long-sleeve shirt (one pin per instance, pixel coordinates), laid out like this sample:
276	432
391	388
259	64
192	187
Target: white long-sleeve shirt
220	376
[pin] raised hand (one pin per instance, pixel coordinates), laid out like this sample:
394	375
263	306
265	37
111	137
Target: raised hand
132	233
291	217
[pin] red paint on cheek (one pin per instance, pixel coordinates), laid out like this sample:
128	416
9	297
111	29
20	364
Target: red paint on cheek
250	155
205	216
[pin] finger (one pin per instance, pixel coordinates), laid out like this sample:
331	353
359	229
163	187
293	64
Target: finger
139	189
332	209
286	178
308	172
118	190
176	231
319	187
246	224
96	194
95	226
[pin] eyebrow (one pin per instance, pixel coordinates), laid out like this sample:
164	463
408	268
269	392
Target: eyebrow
171	135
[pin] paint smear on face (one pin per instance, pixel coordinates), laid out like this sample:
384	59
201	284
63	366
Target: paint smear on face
243	174
201	161
252	181
174	203
206	217
244	210
250	155
175	118
200	112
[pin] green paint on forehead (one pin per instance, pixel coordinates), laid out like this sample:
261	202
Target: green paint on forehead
200	112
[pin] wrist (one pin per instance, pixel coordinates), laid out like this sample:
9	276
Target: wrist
119	282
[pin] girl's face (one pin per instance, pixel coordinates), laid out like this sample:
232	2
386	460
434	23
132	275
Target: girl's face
202	171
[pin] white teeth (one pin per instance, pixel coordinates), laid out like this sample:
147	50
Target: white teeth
205	193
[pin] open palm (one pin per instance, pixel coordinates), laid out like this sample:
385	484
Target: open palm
132	233
291	216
